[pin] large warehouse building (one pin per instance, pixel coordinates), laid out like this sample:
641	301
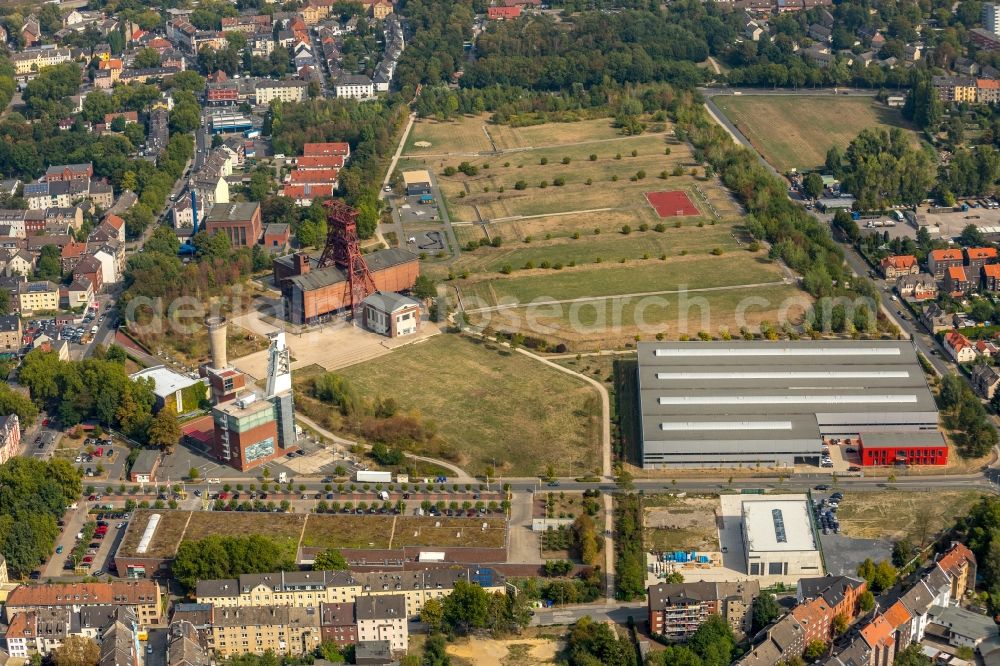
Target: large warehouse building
744	403
310	292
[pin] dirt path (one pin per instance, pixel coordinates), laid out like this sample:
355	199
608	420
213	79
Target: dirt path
460	475
585	299
605	408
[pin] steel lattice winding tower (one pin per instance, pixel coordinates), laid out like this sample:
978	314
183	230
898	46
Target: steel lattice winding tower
343	252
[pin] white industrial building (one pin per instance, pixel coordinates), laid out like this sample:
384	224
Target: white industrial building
778	537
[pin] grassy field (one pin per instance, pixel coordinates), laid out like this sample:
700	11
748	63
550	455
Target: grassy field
630	277
615	322
775	127
347	531
578	224
469	389
897	514
447	532
285	528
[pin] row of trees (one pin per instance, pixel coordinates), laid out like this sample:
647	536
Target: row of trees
34	495
630	569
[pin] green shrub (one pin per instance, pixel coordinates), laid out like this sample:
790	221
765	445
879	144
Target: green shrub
544	160
565	160
559	181
593	157
520	185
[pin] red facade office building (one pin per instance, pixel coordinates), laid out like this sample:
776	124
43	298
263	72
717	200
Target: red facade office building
903	448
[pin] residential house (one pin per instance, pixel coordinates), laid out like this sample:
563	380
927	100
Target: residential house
142	597
990	277
10	440
337	624
184	645
285	91
917	287
960	627
10	334
956	282
895	266
257	629
977	257
78	295
91	268
353	86
985	380
935	319
939	261
19	262
383	618
960	565
38	297
959	347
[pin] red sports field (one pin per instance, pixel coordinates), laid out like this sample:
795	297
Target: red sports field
671	204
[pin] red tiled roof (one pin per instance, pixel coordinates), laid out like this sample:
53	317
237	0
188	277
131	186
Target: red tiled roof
69	594
981	252
320	162
992	270
900	261
308	191
878	632
115	221
946	255
956	340
332	148
71	250
897	615
958	554
957	273
315	176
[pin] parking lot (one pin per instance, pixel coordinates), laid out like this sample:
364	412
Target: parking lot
842	554
94	553
78	332
413	209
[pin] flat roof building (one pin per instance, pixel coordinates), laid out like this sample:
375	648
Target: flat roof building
779	539
746	403
417	182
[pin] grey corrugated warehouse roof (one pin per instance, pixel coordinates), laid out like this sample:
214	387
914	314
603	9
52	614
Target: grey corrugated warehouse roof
749	402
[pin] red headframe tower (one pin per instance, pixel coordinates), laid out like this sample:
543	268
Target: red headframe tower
342	251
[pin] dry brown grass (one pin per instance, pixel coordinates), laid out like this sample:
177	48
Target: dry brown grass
347	531
897	514
469	389
284	528
449	532
167	537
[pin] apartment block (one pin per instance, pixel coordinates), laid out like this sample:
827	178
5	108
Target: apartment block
383	618
142	597
676	611
257	629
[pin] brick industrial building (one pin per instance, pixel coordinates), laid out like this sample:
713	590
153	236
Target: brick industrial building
239	221
310	294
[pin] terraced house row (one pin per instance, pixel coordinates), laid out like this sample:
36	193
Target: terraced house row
309	589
